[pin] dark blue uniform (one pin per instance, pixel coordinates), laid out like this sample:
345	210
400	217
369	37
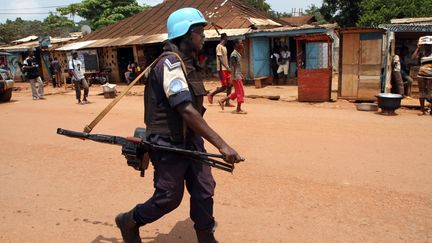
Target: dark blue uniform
166	88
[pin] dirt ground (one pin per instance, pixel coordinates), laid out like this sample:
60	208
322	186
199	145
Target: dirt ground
319	172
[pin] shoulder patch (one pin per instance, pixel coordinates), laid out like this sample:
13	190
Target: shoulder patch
176	86
171	65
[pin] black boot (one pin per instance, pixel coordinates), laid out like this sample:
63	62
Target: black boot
205	236
128	227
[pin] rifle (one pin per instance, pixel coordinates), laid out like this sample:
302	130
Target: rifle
136	149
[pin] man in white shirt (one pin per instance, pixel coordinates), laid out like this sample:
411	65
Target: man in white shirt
31	68
222	66
78	78
284	63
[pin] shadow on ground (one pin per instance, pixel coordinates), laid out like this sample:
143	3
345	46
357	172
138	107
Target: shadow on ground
182	232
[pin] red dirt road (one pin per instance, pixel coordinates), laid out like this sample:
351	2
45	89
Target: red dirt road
314	173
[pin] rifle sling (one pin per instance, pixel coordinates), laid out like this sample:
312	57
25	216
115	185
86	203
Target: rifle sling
89	128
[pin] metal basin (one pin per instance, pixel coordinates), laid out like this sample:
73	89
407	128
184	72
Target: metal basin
389	102
367	107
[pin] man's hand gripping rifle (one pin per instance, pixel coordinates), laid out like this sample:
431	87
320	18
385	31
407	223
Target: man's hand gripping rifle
136	148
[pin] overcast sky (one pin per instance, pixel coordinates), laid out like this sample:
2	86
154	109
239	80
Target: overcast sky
38	9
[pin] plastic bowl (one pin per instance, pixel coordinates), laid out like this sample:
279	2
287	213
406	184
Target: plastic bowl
367	107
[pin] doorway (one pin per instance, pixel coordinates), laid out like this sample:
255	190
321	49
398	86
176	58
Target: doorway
125	56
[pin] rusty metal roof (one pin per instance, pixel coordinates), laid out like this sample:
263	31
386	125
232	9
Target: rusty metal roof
226	14
22	47
143	39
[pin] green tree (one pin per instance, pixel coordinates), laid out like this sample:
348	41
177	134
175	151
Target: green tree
58	25
375	12
279	14
258	4
101	13
313	10
345	13
19	28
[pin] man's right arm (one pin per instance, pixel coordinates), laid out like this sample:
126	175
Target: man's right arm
71	70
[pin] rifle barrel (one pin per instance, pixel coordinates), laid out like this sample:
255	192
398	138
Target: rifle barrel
101	138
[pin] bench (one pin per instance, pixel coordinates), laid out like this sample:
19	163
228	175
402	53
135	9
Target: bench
259	81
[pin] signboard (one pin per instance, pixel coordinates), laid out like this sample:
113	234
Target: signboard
44	41
89	59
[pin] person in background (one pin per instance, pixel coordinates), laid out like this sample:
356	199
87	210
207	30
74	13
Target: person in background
55	69
274	60
51	73
284	63
406	78
31	68
423	53
223	69
128	71
78	79
235	63
396	81
133	73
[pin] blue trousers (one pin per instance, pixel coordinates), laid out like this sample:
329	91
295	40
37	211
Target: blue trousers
172	172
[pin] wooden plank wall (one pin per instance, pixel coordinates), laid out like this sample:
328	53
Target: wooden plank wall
350	65
370	68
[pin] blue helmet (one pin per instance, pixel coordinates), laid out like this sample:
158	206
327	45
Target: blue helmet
181	20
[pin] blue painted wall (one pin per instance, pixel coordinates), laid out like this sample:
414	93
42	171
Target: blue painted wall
261	56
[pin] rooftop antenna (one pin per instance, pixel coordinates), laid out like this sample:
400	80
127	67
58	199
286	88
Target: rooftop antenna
85	29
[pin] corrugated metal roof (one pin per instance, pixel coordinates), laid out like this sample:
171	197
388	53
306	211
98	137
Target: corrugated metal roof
411	20
210	35
75	46
232	33
228	14
293	28
408	27
139	40
25	39
20	47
